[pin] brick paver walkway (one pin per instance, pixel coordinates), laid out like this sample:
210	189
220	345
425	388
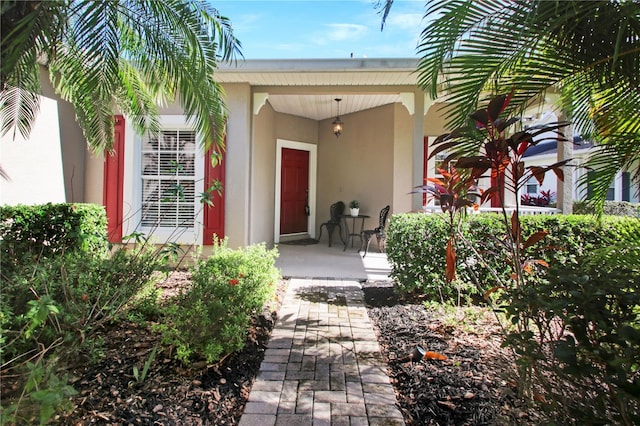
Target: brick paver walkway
323	364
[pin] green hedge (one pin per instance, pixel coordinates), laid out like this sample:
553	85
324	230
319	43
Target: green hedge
34	232
416	245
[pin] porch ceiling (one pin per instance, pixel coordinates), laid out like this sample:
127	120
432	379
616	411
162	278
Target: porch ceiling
308	87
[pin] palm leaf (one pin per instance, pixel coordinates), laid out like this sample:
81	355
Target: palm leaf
18	109
474	50
107	57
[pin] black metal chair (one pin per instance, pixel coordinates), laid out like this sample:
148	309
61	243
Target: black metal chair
336	210
379	233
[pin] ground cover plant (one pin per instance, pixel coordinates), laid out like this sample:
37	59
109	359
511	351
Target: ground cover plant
61	305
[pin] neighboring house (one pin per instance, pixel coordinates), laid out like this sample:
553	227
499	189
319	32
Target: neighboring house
546	153
283	166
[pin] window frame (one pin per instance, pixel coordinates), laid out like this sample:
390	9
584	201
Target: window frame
134	187
532	182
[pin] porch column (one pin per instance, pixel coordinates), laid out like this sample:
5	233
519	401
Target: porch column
418	148
238	165
565	151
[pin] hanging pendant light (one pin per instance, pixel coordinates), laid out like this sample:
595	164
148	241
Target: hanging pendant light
337	124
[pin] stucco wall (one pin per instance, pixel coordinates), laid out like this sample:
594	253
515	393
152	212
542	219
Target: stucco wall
50	165
359	164
74	148
434	121
34	166
269	126
238	164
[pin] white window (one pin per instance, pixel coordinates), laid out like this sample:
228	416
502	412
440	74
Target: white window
532	186
168	179
163	182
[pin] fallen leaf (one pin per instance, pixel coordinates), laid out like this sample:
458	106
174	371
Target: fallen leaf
538	397
469	395
447	404
434	355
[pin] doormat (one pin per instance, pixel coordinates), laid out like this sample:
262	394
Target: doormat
304	242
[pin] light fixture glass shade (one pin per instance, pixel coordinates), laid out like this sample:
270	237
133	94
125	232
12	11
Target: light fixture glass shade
337	126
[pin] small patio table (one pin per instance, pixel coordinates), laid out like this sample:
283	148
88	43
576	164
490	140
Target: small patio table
350	231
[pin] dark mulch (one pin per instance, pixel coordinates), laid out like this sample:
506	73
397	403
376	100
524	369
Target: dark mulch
466	389
470	387
171	394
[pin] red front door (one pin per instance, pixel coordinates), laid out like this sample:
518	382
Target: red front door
294	191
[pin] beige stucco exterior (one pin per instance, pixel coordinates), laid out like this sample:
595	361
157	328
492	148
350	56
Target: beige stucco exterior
378	159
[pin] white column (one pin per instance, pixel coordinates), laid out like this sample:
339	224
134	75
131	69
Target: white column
420	110
565	188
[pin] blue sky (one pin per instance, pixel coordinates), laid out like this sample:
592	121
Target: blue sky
306	29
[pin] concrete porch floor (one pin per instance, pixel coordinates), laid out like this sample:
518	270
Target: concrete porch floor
321	261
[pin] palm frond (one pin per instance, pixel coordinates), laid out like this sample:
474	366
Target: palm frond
106	56
18	109
384	8
474	50
29	29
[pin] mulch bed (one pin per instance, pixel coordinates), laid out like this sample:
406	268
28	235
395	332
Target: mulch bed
171	394
468	388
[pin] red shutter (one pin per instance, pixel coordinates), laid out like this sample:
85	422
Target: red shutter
213	214
113	182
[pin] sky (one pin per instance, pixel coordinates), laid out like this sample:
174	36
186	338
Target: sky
323	29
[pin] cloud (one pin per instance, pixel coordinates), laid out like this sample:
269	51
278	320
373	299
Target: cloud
243	23
345	32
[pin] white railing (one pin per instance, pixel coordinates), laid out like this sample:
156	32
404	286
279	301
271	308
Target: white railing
528	210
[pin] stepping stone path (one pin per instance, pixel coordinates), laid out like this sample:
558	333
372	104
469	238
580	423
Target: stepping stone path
323	364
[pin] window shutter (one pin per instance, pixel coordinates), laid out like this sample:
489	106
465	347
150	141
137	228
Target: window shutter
213	214
113	177
626	186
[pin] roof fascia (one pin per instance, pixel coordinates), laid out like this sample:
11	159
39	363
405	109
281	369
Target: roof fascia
319	65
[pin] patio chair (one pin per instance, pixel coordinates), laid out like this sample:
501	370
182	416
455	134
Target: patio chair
336	210
379	233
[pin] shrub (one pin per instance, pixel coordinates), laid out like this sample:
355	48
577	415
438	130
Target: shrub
88	291
50	313
210	319
416	246
28	233
586	323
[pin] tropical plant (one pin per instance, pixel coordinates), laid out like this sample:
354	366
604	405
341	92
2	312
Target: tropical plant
585	52
487	147
105	56
491	149
453	192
